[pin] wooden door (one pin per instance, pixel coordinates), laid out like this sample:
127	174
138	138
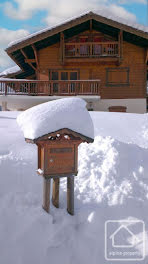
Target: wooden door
64	87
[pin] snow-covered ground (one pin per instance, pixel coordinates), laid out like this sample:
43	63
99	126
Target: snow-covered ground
112	184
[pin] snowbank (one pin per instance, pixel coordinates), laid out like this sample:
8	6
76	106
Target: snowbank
51	116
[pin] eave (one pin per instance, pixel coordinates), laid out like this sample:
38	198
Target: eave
60	131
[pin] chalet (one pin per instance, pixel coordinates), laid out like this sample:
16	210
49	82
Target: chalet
102	60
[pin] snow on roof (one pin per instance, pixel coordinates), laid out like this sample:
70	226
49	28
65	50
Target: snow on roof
11	70
101	12
45	118
16	80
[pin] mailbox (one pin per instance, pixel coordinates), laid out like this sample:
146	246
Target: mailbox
58	153
58	157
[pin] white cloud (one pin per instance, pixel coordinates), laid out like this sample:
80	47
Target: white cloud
58	10
112	11
25	8
6	37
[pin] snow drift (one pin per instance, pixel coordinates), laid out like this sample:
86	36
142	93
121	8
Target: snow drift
112	184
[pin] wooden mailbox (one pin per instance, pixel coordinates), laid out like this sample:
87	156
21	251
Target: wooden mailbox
58	157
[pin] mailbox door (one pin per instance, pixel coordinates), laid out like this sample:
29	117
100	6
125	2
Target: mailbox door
60	159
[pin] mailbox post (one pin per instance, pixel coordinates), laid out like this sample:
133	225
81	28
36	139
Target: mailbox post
58	157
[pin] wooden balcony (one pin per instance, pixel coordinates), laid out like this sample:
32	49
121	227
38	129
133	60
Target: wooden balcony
49	88
92	49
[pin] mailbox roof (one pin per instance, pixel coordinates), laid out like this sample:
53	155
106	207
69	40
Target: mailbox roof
70	113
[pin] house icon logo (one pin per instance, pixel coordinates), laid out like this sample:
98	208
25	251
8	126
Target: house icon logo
129	239
125	240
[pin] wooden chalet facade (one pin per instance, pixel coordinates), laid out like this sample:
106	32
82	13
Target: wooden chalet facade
91	56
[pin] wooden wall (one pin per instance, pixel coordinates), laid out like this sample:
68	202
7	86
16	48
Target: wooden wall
133	59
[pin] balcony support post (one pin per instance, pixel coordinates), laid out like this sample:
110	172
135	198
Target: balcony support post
91	25
36	60
62	48
120	46
146	57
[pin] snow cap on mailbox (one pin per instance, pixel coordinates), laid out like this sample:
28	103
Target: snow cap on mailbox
43	119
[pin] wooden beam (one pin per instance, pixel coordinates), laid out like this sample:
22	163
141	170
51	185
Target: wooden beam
30	60
36	55
26	57
36	60
55	192
62	48
46	194
146	59
70	195
90	25
24	54
120	46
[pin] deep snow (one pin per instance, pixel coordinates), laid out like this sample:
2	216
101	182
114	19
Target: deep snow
112	183
45	118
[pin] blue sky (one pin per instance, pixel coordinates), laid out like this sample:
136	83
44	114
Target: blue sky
139	10
21	17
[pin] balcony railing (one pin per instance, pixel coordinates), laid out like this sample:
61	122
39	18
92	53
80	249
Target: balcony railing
49	88
95	49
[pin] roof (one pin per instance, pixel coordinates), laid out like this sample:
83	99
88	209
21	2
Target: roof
10	72
101	21
16	73
57	135
120	22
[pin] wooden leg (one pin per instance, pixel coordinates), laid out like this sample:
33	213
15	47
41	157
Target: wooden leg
46	194
70	195
55	192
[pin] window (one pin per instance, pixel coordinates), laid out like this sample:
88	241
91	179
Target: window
117	76
55	75
73	75
64	76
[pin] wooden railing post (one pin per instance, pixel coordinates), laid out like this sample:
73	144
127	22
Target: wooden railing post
51	87
62	48
5	88
29	89
120	45
91	53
